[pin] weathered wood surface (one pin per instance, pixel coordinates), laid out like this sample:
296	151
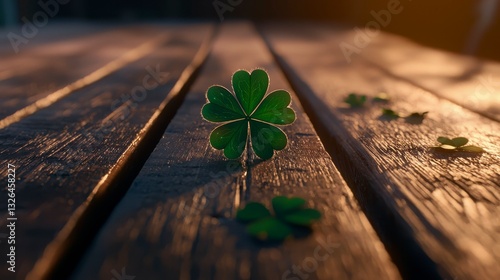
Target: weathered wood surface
467	81
176	221
62	152
448	204
38	77
52	32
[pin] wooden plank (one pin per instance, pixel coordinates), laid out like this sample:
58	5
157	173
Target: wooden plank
447	204
177	217
79	38
62	152
467	81
36	78
50	33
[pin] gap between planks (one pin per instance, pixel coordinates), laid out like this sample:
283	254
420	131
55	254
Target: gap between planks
411	260
62	255
361	171
66	148
129	57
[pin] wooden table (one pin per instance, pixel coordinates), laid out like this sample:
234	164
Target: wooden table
115	177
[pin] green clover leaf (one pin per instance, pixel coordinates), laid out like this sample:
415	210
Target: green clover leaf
302	217
283	205
389	114
270	229
355	100
458	144
382	98
413	118
253	211
289	212
249	106
416	118
471	149
455	142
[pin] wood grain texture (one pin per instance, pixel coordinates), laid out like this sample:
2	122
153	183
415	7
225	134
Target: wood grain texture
448	203
51	33
32	75
63	151
177	219
467	81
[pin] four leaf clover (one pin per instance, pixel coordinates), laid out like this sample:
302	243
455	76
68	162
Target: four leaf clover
249	107
458	144
288	212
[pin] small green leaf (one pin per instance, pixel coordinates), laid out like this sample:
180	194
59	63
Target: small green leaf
252	211
250	88
289	213
232	137
382	97
416	118
458	144
459	141
303	217
270	229
266	138
355	100
274	109
216	113
471	149
283	205
455	142
222	107
445	140
390	114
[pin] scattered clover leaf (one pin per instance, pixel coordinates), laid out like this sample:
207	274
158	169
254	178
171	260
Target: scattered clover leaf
458	144
253	211
416	118
382	98
455	142
390	114
471	149
355	100
249	106
413	118
270	229
289	212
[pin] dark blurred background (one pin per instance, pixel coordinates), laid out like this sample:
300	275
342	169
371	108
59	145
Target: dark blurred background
463	26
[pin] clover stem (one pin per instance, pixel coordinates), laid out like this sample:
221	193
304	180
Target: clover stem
247	156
